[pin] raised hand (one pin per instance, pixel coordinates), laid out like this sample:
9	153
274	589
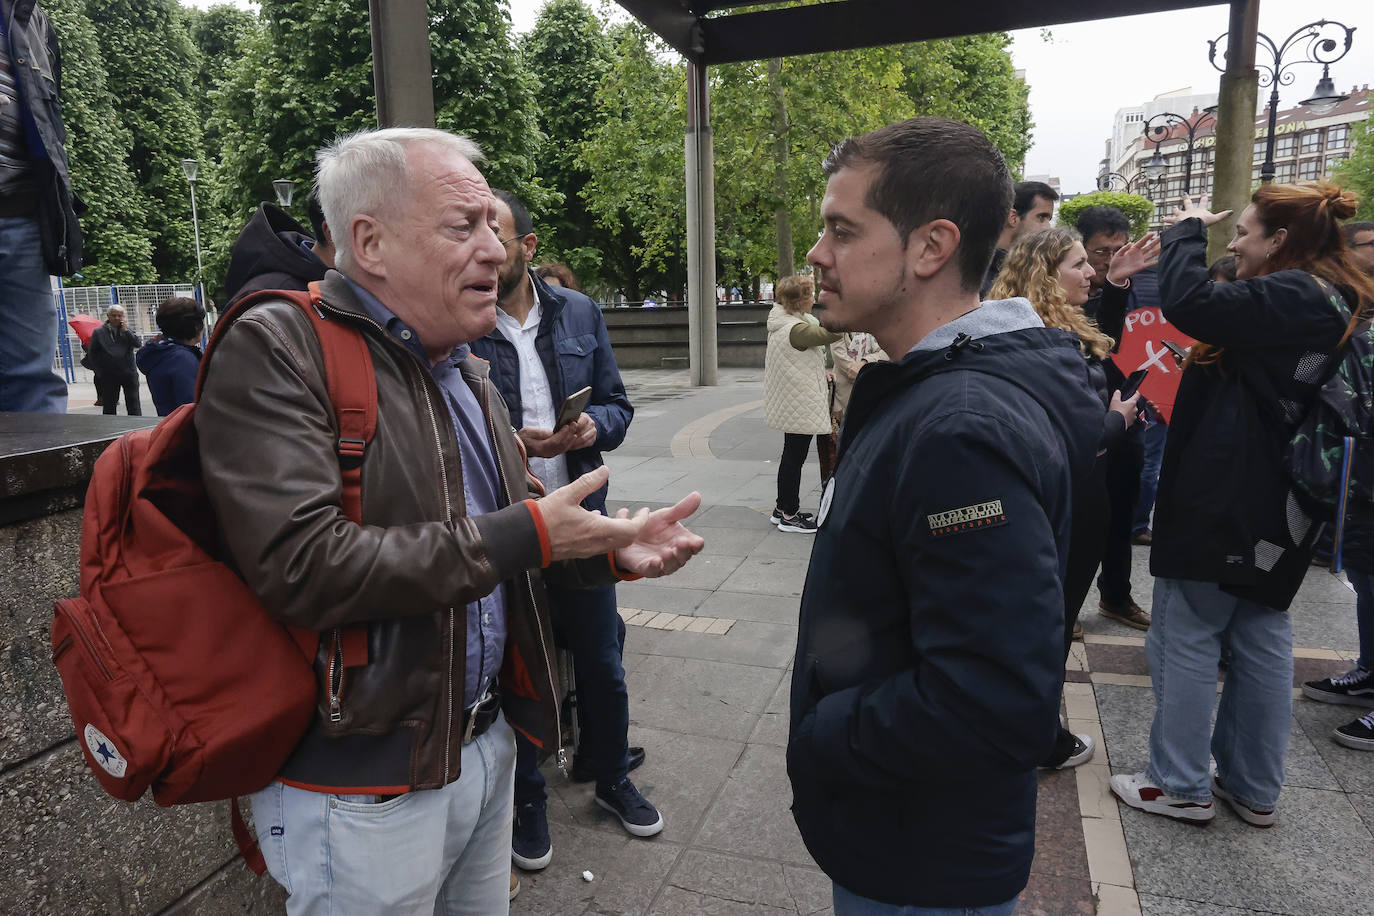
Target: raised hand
664	544
1188	210
1133	258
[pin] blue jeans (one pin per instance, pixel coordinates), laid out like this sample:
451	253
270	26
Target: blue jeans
28	335
851	904
589	626
1190	624
436	851
1156	434
1364	615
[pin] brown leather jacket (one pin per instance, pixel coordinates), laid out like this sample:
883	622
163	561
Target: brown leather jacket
268	451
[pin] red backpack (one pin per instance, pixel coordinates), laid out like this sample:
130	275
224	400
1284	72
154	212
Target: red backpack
176	677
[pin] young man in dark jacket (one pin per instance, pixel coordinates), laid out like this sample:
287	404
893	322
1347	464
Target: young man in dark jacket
39	234
550	343
930	648
273	251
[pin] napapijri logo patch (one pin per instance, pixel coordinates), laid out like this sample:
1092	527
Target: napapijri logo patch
969	518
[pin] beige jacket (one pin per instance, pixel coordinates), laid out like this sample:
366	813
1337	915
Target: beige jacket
795	396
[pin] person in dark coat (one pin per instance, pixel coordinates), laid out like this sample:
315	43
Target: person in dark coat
112	351
273	251
1232	541
171	361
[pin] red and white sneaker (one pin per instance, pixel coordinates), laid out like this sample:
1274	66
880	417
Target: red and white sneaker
1138	791
1252	816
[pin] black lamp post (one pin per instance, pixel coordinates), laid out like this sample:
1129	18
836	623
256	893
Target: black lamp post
1316	44
1163	126
1140	183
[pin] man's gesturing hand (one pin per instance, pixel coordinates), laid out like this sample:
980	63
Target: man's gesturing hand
574	532
664	544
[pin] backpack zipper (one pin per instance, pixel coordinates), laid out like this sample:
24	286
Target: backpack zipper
69	610
529	586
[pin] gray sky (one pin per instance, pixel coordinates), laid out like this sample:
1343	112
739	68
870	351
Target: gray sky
1086	71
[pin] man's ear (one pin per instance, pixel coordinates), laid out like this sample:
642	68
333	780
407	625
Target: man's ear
530	243
1013	219
931	247
367	235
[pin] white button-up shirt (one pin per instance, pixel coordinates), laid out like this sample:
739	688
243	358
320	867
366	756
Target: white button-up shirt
536	397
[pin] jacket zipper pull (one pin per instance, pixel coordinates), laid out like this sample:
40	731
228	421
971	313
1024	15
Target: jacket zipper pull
335	710
562	759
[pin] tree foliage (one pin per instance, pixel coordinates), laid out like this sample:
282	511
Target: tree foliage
117	245
1357	172
1139	210
150	68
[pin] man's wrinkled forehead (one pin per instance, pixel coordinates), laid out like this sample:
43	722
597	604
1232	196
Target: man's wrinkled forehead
438	173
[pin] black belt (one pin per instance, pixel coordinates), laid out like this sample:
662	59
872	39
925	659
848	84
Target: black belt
478	719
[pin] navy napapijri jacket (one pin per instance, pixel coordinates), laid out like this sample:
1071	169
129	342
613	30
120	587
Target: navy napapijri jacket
929	660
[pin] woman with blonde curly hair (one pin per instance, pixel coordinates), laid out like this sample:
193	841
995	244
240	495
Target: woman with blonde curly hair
1051	269
1232	540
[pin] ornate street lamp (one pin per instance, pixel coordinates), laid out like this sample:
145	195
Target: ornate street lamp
191	167
1139	183
1164	130
283	188
1322	42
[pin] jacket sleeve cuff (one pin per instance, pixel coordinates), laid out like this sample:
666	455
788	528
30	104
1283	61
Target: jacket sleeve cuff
618	572
515	538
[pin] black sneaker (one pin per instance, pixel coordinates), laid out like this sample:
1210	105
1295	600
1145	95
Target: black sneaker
636	814
530	847
777	516
1354	688
1358	734
801	523
1070	751
580	773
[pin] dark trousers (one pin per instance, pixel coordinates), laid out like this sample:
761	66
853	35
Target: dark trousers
794	449
589	627
1087	544
1123	486
1155	436
107	388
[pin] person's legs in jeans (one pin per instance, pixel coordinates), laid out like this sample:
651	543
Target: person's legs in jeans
848	903
28	343
1123	480
440	850
107	392
1256	711
1364	615
1156	434
1183	646
132	406
794	448
592	628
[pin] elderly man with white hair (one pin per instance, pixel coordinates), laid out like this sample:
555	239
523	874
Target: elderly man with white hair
111	357
398	798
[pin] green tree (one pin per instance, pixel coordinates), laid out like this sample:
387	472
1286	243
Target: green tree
1357	172
306	78
117	246
221	35
150	65
1139	210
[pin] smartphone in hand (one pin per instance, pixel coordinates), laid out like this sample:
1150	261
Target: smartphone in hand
572	408
1133	383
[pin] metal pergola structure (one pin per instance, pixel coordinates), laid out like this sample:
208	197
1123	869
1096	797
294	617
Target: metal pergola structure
709	32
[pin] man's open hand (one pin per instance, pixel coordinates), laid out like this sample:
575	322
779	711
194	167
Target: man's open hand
664	545
574	532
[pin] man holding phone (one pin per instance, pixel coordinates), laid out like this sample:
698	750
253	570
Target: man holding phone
549	347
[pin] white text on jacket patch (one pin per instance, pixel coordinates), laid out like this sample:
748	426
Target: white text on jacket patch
969	518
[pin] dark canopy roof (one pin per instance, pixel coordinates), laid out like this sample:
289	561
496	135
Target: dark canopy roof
705	32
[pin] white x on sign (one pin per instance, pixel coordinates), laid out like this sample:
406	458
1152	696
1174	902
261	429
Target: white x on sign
1154	357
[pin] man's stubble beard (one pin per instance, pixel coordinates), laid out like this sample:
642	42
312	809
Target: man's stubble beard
507	284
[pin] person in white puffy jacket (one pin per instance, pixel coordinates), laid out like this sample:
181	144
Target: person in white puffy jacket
796	396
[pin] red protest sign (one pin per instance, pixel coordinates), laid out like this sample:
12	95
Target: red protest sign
1142	347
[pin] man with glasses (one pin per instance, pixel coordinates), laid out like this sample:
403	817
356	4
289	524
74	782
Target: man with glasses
550	343
1360	239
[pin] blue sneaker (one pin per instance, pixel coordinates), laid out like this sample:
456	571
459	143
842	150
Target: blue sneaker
636	814
530	846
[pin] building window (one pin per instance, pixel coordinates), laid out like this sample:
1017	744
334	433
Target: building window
1201	158
1333	161
1173	188
1309	169
1287	145
1312	142
1284	172
1255	172
1206	184
1337	137
1259	148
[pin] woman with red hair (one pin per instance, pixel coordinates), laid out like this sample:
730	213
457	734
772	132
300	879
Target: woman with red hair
1231	539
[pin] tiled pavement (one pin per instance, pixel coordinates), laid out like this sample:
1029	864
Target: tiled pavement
711	709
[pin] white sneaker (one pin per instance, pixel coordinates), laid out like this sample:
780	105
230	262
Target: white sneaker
1250	815
1138	791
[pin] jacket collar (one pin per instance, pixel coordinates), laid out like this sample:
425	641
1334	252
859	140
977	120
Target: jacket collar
551	304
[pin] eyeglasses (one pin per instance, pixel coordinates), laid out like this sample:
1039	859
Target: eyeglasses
515	238
1106	252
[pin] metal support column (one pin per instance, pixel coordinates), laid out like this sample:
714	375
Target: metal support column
701	231
400	63
1235	127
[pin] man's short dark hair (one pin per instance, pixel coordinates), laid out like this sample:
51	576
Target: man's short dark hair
1223	268
1353	229
935	168
180	318
315	213
1028	191
520	216
1104	219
